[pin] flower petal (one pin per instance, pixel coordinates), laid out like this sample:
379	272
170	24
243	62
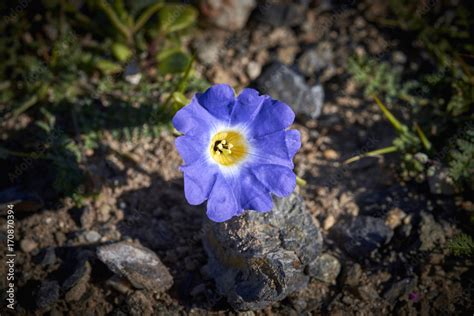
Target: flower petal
223	201
293	142
273	116
199	180
254	195
194	120
246	107
271	149
218	100
191	148
279	180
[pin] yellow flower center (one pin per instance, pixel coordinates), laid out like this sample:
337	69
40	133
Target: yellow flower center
228	148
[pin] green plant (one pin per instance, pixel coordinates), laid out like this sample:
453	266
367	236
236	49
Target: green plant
462	245
64	73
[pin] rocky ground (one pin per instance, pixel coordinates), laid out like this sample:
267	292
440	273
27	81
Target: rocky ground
384	248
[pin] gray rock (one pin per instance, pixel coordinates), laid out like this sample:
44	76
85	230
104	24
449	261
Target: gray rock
259	258
430	232
139	265
46	257
230	15
92	236
362	235
399	290
48	294
24	201
316	59
76	284
208	51
286	85
282	13
325	268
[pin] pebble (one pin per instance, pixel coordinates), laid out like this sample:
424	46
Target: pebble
329	222
28	245
352	275
395	218
362	235
254	70
325	268
139	265
230	15
330	154
92	236
76	284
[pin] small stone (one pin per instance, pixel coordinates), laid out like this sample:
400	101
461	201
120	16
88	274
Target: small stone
208	51
316	60
25	202
92	236
367	293
139	265
103	214
329	222
399	290
119	284
284	84
46	257
352	275
28	245
230	15
431	233
362	235
280	13
87	217
254	70
132	73
76	283
48	294
330	154
139	304
325	268
258	258
395	218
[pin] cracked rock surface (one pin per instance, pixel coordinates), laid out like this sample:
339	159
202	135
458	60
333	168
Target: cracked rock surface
259	258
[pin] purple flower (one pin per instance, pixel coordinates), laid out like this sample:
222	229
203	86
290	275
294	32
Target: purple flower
237	151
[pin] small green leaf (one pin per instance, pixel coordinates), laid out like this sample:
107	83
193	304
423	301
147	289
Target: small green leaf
173	61
107	67
176	17
121	52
